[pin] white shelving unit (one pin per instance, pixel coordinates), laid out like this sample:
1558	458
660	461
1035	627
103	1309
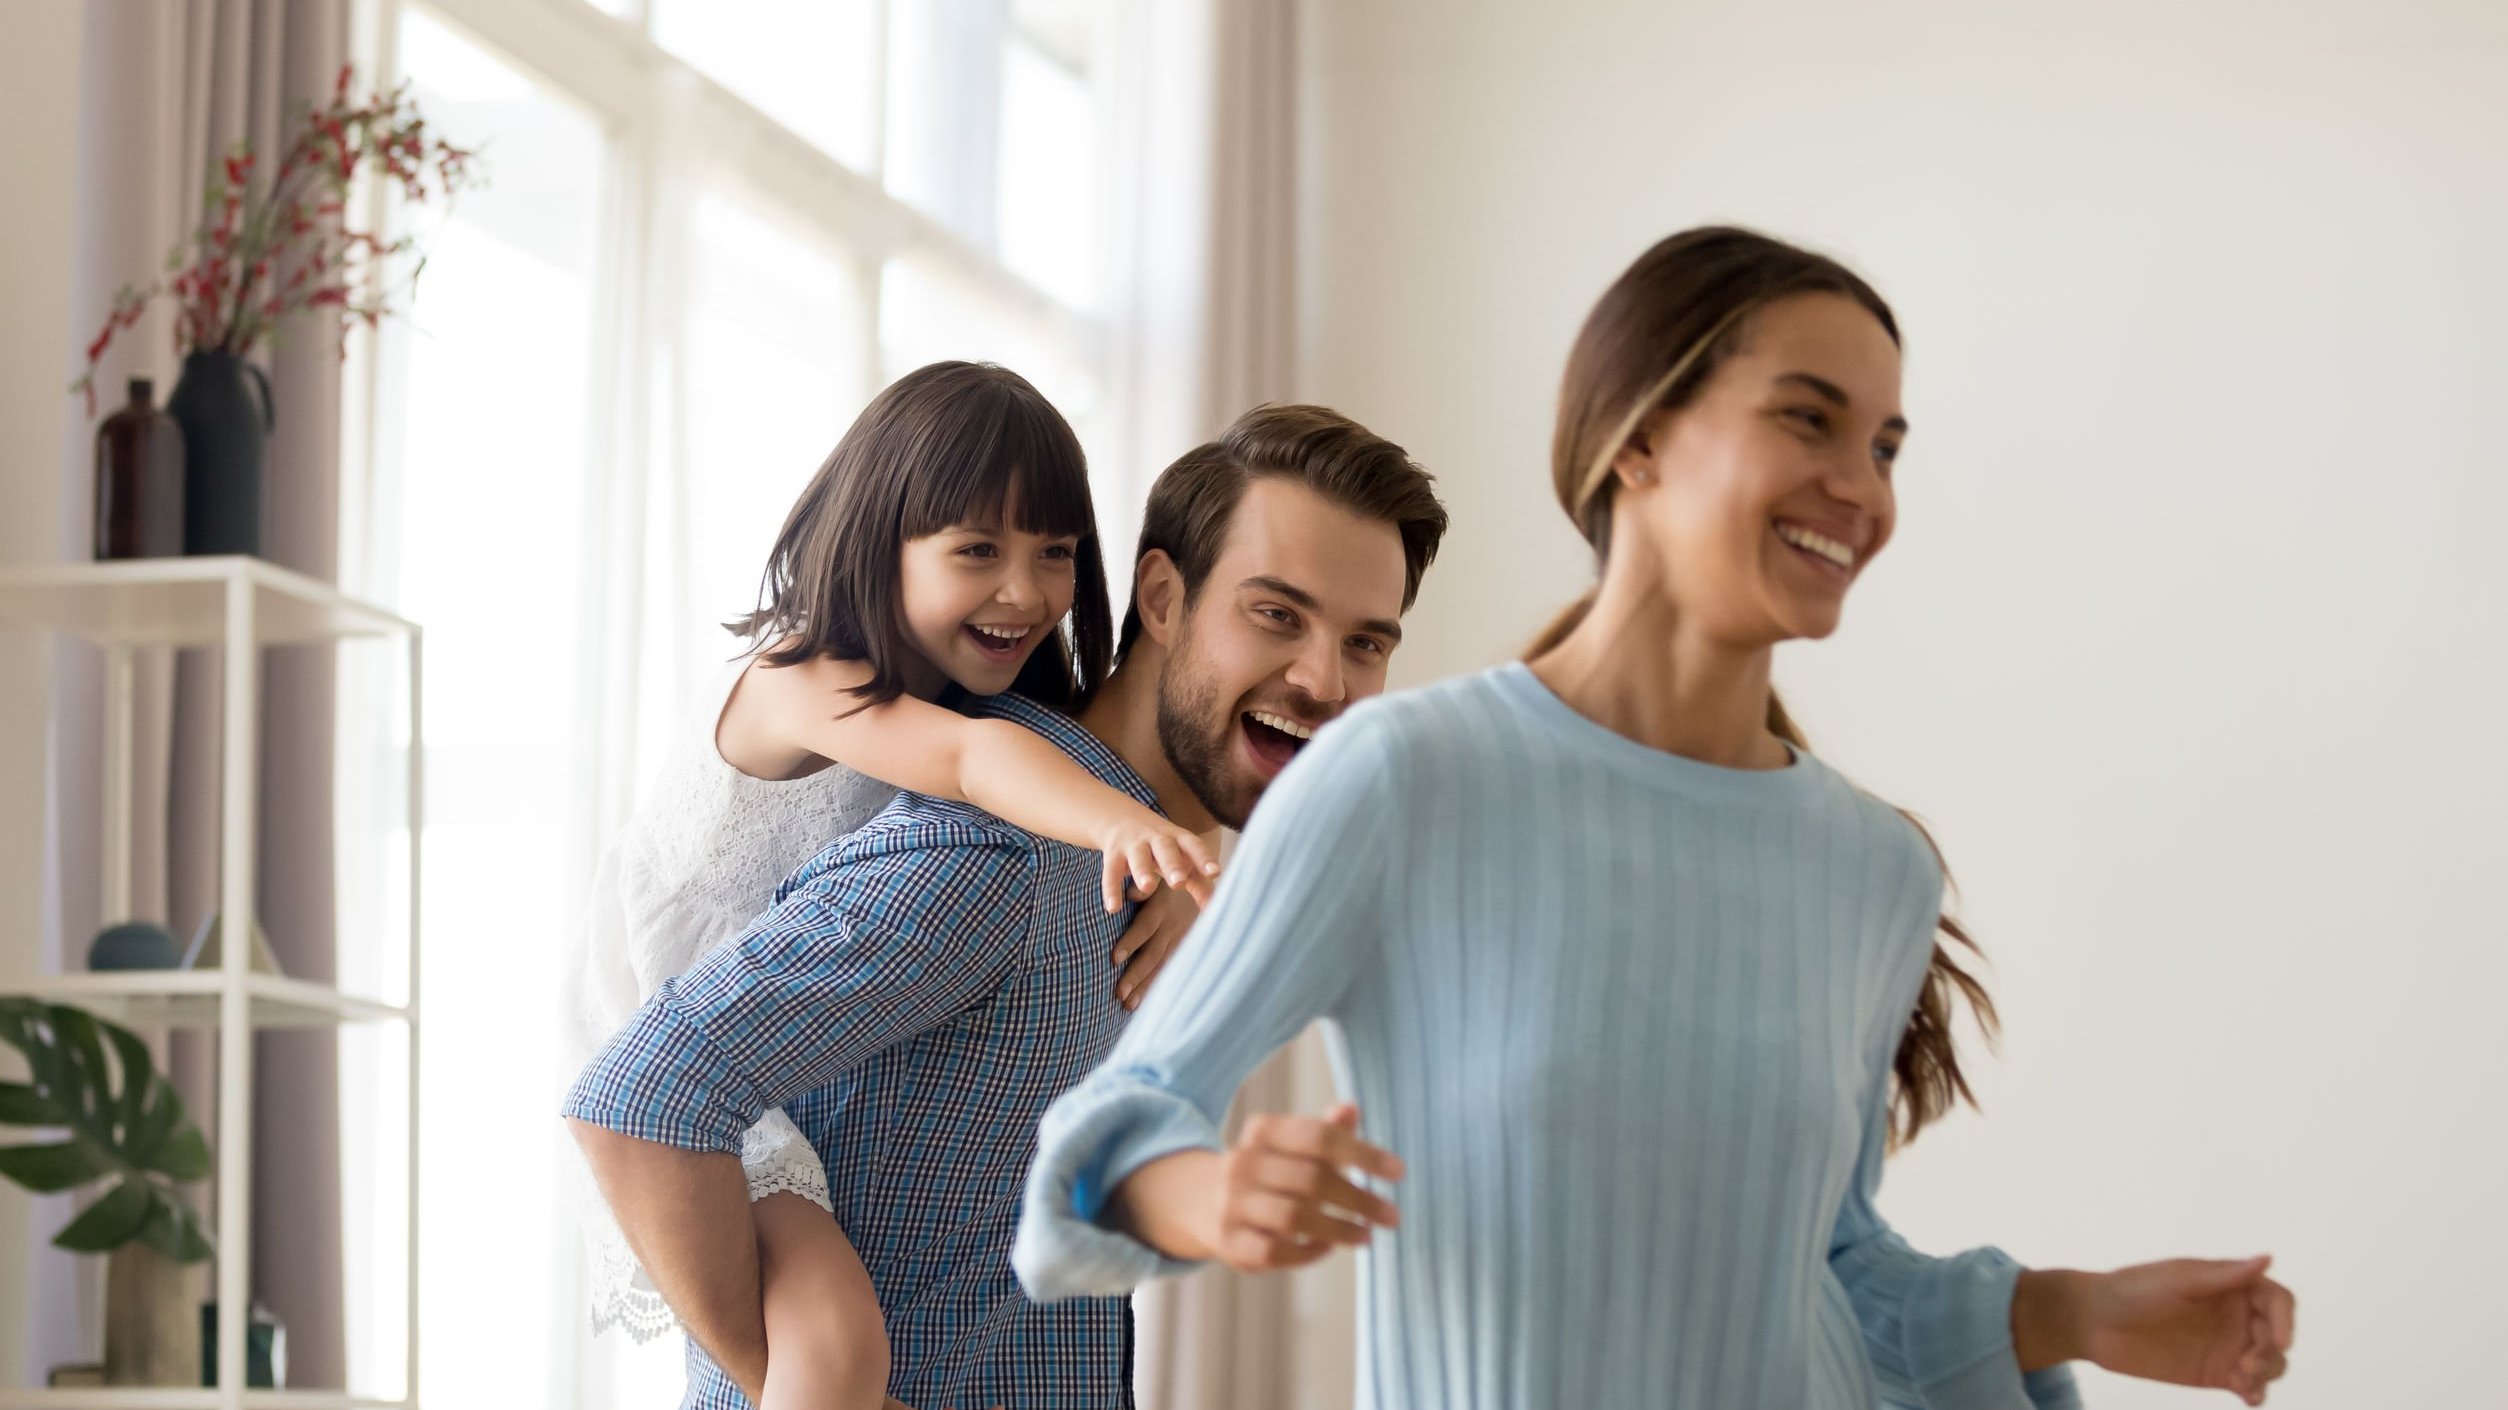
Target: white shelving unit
242	605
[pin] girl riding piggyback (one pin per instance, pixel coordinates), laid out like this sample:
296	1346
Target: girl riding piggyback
947	545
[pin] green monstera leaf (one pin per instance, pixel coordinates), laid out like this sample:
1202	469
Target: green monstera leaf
124	1122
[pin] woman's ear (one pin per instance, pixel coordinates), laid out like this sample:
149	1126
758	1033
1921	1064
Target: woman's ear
1635	464
1158	591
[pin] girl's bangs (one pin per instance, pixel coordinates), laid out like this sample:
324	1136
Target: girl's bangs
1024	455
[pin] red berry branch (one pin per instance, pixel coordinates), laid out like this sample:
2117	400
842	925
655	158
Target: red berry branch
266	249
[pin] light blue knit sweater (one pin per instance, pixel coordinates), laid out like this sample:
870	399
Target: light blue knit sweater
1628	1020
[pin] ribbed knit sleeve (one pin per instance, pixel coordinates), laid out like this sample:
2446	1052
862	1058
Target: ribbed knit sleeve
1938	1330
1294	914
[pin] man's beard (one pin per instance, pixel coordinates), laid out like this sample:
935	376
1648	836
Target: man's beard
1196	734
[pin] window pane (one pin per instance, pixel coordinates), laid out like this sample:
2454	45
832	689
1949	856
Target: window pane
993	130
1049	196
927	314
774	372
812	65
944	110
484	478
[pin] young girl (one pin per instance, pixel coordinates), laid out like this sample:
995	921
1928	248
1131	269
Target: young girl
947	544
1638	988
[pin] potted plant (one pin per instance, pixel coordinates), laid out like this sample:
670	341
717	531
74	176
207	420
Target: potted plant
123	1128
273	242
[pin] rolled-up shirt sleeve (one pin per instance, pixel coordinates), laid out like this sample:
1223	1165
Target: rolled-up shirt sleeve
893	938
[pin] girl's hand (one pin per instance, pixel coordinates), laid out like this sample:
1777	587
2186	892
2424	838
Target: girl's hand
2210	1323
1147	849
1156	927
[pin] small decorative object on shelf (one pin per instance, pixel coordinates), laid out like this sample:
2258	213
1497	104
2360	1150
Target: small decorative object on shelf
126	1125
77	1377
267	248
265	1349
139	480
134	944
206	952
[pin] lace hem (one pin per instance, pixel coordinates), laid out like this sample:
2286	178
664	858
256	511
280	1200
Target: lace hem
779	1161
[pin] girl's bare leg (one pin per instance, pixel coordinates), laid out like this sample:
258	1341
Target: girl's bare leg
826	1343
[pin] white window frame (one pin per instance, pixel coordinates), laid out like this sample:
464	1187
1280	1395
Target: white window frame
646	97
665	121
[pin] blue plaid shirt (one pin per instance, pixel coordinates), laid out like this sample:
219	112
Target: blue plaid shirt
920	992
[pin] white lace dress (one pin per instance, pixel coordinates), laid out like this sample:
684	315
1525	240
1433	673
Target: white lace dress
699	862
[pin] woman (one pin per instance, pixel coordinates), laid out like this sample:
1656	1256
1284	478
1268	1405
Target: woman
1638	989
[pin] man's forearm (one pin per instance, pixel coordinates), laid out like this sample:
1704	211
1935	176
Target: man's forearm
686	1214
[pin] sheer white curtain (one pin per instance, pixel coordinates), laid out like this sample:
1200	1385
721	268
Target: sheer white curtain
712	230
1209	330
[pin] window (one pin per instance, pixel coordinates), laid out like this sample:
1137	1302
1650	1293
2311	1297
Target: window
712	229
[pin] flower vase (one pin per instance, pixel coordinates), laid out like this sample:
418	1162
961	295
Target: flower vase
225	451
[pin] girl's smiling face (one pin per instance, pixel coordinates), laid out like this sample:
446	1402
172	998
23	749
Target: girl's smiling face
978	600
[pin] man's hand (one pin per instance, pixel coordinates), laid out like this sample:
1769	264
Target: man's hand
2209	1323
1161	921
1282	1197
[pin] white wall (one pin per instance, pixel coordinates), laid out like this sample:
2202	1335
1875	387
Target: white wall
2191	642
38	109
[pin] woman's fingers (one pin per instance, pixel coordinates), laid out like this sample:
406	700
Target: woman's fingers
1298	1219
1252	1250
1321	1184
1333	1141
2281	1313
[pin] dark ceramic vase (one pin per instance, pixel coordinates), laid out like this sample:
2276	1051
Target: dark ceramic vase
226	432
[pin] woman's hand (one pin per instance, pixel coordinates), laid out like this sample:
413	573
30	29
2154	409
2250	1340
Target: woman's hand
1161	921
1287	1197
1282	1197
1145	849
2210	1323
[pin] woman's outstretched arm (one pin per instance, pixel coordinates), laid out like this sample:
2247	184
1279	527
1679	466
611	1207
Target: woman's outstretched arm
1131	1177
1968	1331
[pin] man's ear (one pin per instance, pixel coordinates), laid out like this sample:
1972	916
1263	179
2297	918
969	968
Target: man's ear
1158	592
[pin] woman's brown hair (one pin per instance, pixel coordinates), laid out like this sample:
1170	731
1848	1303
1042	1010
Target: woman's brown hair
1655	337
949	444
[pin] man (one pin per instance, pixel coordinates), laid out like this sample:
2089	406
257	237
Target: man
925	987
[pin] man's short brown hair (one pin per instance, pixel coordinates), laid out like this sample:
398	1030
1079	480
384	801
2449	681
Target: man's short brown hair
1195	499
